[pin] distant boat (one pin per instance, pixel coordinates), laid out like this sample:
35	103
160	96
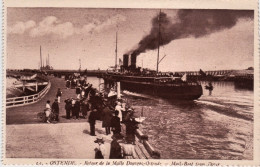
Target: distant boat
28	78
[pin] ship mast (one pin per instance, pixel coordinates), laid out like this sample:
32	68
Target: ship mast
116	53
159	38
79	65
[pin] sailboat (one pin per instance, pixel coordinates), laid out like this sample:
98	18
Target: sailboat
150	82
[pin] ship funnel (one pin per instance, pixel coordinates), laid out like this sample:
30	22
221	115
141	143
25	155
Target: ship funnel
125	60
133	60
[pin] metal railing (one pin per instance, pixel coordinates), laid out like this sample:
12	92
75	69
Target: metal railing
25	100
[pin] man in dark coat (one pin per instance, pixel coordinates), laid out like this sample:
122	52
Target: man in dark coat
87	90
92	121
115	149
78	92
55	109
115	123
106	118
67	84
68	107
77	109
131	126
84	108
73	108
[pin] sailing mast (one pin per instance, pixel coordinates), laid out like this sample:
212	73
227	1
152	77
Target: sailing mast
116	53
159	38
48	59
41	57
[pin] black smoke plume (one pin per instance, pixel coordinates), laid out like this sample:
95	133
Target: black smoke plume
189	23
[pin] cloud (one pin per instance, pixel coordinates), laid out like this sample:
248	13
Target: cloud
111	22
20	27
97	25
51	25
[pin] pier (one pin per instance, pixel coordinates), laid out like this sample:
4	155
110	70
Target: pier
57	72
213	73
27	138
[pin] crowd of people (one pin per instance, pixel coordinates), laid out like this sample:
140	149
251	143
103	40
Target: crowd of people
119	149
117	117
120	119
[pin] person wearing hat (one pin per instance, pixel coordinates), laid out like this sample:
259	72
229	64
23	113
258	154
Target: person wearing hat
68	107
106	119
115	149
100	148
78	90
124	111
48	111
131	126
82	92
115	123
73	108
84	108
119	109
77	109
92	121
129	114
67	84
55	109
58	95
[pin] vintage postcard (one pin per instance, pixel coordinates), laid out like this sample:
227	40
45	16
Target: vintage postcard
109	82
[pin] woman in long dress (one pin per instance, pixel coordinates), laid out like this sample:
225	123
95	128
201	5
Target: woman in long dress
128	150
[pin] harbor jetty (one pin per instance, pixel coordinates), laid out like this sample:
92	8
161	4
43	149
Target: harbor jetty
223	75
68	138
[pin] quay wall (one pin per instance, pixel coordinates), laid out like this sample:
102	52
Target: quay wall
143	139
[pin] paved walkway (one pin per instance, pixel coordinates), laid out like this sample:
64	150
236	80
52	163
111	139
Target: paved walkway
63	140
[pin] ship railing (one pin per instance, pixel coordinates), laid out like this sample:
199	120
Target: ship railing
169	82
25	100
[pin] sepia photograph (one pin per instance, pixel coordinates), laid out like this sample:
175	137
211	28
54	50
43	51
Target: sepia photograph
129	83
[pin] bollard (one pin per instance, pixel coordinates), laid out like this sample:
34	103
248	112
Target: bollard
155	154
140	135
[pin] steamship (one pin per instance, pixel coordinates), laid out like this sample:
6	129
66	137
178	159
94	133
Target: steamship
165	85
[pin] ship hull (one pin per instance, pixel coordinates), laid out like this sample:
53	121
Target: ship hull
184	91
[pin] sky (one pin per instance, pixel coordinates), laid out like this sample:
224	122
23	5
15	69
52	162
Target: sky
89	34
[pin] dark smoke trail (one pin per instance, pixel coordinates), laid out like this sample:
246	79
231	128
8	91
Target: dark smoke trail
190	23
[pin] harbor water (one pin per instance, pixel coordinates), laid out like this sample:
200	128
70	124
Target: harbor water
216	126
